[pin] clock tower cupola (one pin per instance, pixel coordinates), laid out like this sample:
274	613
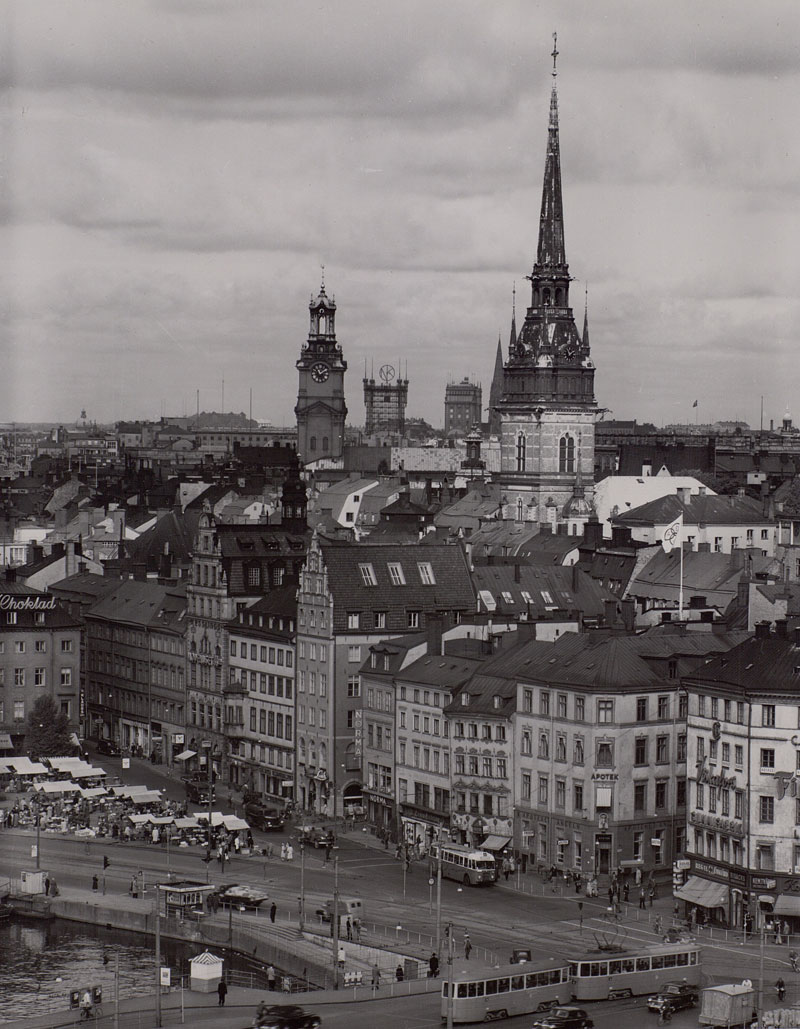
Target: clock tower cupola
321	410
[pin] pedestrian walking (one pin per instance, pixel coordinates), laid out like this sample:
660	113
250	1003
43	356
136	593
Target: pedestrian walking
286	984
289	852
283	852
398	973
657	925
376	976
273	910
94	883
222	989
47	886
626	889
786	930
641	898
651	893
271	977
357	929
610	896
780	986
349	928
467	946
433	965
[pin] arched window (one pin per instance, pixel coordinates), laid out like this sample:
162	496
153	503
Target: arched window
558	298
546	297
312	443
325	444
520	452
566	454
323	756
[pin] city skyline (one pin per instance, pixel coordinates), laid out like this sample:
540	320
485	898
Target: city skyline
177	176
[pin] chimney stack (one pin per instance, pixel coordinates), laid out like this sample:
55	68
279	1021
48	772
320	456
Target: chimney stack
762	630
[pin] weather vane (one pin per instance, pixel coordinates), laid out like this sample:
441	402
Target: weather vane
554	54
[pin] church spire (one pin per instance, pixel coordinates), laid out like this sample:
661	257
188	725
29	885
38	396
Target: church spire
551	255
586	318
512	343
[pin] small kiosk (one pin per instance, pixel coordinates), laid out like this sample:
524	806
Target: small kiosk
206	972
184	899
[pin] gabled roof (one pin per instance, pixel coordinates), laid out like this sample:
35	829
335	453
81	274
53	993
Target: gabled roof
174	533
706	510
440	670
534	591
451	588
145	604
714	576
758	666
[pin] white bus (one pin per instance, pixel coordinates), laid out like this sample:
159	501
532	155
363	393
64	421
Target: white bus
467	866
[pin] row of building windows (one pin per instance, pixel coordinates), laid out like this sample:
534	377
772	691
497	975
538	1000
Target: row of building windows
271	685
271	723
311	649
273	655
715	748
428	724
489	768
66	646
309	716
469	731
311	681
39	677
604	707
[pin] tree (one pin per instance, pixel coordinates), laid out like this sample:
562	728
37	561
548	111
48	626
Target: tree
47	733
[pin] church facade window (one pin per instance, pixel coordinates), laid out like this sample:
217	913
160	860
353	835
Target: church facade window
566	454
521	452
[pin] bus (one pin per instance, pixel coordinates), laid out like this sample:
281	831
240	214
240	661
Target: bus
482	992
470	867
605	976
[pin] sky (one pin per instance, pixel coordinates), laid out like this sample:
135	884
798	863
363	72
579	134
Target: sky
175	174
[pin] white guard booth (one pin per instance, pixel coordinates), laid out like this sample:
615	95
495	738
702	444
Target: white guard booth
32	882
206	972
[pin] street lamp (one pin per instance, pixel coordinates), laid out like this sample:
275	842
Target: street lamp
302	885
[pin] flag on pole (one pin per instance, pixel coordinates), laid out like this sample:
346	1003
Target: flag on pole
672	534
694	404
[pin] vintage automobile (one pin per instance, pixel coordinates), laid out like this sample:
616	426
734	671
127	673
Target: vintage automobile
564	1018
240	896
677	995
285	1016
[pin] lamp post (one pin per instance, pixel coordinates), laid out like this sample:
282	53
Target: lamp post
158	956
450	985
206	746
438	901
302	911
336	922
38	831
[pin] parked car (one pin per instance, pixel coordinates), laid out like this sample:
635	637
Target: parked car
197	790
285	1016
564	1018
262	818
108	747
313	836
677	994
240	895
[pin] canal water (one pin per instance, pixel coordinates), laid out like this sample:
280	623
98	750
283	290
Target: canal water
41	962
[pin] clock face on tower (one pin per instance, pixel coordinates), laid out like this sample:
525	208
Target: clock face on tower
320	372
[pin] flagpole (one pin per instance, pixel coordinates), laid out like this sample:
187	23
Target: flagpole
680	587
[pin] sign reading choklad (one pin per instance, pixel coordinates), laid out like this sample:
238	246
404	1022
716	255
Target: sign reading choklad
11	602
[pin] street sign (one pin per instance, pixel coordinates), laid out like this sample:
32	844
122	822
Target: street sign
431	881
34	850
126	762
166	976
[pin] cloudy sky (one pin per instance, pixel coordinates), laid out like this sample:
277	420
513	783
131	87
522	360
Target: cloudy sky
175	172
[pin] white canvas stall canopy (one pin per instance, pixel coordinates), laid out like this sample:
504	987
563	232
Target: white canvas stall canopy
234	824
186	823
64	786
162	819
139	819
92	792
86	773
216	817
129	791
59	764
146	797
24	766
185	755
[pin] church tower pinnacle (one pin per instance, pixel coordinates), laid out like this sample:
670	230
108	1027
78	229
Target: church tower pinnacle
548	402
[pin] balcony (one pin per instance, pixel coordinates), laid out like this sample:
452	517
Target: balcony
235	689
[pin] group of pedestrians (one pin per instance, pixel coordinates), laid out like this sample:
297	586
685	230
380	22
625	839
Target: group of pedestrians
287	852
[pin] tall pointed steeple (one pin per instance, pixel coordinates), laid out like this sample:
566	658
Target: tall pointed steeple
512	343
551	255
586	318
496	389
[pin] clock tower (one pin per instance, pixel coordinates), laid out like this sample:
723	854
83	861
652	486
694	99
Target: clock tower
321	410
547	409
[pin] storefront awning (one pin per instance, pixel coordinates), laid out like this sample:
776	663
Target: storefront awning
704	892
787	904
5	741
185	755
495	842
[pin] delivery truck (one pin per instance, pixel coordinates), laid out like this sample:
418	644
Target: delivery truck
729	1005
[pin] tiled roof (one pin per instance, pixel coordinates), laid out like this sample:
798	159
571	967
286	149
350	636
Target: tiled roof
451	588
707	510
714	576
440	670
536	590
173	530
146	604
765	666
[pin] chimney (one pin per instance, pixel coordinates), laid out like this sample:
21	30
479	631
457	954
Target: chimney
703	548
516	572
629	614
762	630
433	626
797	636
575	578
683	494
702	491
609	612
781	627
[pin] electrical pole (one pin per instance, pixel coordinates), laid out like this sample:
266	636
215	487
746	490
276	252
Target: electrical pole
302	885
451	989
336	922
158	959
439	903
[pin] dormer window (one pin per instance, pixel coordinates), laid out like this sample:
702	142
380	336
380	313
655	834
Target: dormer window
368	575
465	699
396	574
